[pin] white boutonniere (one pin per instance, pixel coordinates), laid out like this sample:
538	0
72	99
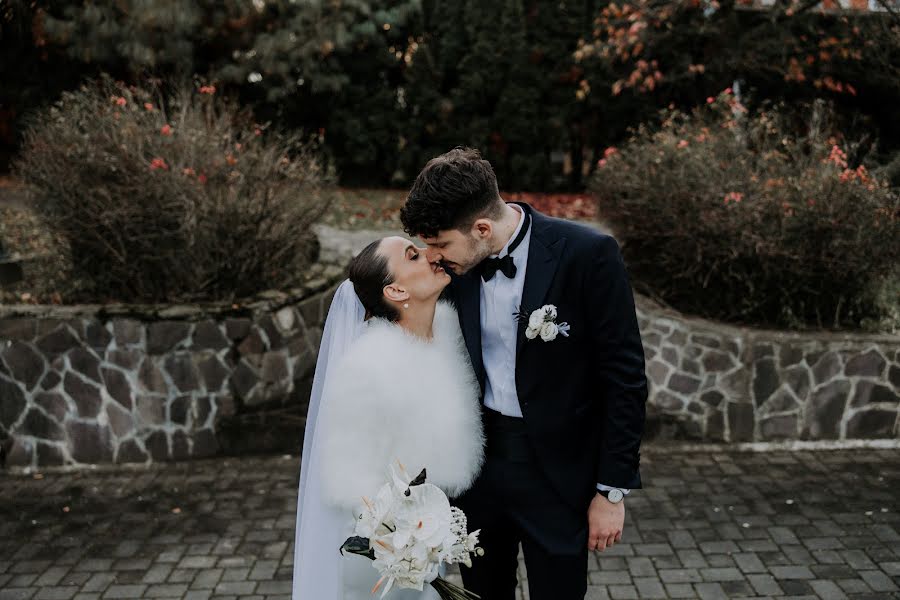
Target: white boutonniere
542	323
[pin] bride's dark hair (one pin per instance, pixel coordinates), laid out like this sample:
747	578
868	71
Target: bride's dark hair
369	273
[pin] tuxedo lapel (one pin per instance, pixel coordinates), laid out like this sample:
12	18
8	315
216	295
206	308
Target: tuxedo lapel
544	252
469	287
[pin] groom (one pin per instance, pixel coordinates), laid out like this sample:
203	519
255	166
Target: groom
563	418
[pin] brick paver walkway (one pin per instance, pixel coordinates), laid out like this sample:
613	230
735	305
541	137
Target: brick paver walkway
711	524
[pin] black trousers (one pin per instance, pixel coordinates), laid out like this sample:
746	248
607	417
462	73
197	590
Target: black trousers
514	503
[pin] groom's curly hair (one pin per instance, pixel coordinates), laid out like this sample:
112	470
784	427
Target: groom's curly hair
451	192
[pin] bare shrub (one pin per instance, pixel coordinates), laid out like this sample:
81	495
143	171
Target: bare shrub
740	218
171	195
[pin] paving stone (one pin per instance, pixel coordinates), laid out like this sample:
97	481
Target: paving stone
57	592
12	593
710	591
124	591
649	587
827	590
721	574
623	592
231	541
878	581
765	585
792	573
166	590
241	588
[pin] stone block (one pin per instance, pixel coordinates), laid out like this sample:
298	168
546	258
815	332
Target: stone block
13	403
86	395
166	335
715	361
872	424
798	379
275	367
39	425
208	336
213	373
85	363
21	453
120	421
779	427
51	380
20	329
273	335
712	398
127	332
869	364
780	401
827	367
179	409
151	378
118	386
130	452
867	393
183	372
50	455
243	380
23	363
125	358
97	336
765	380
225	406
825	410
58	341
237	328
668	402
253	343
789	355
151	410
715	426
741	421
894	376
157	444
683	384
90	443
286	319
181	446
54	404
201	410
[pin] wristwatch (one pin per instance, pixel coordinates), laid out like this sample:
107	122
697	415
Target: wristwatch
614	495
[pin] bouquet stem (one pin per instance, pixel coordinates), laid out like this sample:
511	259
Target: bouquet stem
449	591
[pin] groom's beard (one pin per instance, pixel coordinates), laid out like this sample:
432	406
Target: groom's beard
455	268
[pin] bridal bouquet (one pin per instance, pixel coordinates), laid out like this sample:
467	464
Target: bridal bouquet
409	530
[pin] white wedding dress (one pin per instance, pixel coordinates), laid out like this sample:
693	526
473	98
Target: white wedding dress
385	396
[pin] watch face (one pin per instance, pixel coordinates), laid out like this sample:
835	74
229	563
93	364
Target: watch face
615	496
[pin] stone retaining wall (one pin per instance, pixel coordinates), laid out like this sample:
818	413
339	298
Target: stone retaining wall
99	384
136	384
714	382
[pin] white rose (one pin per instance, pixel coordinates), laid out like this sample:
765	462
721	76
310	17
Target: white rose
536	319
532	332
550	311
549	332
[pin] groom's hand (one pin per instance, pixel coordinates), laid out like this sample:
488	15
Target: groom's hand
605	522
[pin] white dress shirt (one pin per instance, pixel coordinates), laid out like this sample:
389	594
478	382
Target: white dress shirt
501	299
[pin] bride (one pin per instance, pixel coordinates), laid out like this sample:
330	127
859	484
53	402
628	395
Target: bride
393	382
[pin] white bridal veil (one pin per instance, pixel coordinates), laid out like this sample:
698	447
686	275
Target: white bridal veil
317	572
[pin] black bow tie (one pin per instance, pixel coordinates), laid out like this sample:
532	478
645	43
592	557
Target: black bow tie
505	265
